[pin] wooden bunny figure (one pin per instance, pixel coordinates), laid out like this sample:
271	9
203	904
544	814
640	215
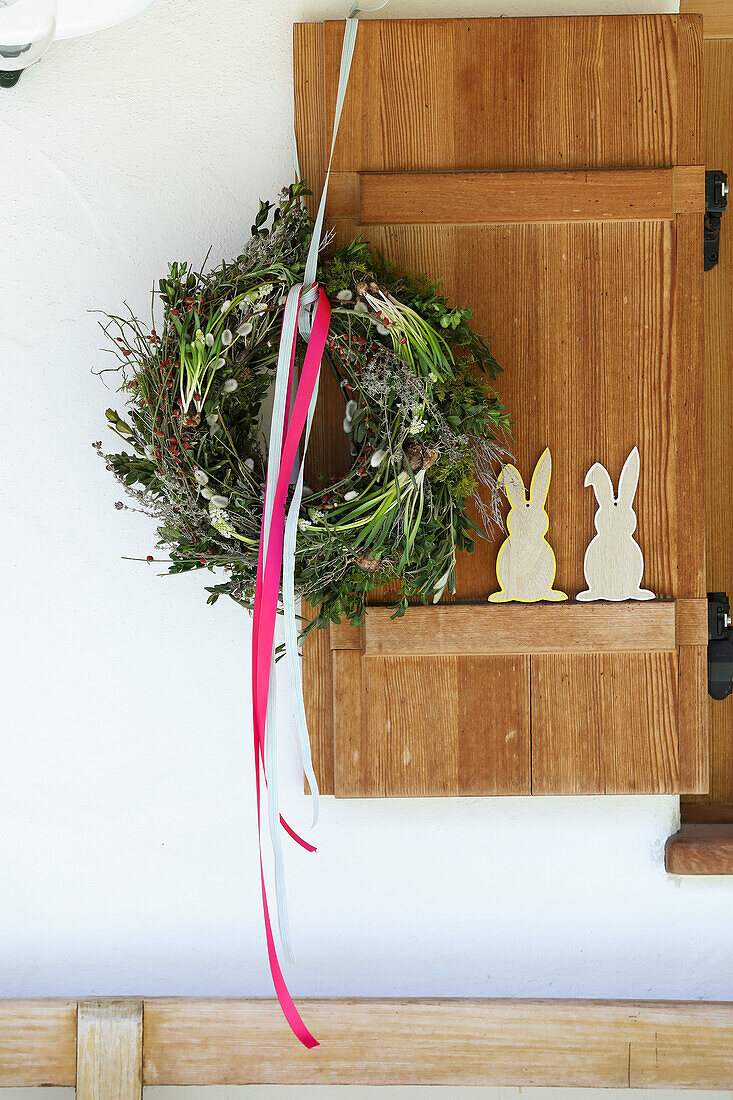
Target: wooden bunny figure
614	563
525	567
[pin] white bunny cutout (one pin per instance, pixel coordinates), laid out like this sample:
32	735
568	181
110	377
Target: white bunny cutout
614	563
525	567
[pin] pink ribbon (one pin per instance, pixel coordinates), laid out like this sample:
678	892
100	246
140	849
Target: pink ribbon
267	592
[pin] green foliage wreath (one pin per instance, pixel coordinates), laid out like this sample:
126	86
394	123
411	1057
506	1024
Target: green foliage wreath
424	424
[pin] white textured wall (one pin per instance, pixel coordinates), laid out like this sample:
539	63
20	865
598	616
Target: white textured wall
127	841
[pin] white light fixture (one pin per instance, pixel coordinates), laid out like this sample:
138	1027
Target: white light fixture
28	27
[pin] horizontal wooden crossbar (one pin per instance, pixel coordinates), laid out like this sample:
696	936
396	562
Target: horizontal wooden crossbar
474	629
568	1043
497	198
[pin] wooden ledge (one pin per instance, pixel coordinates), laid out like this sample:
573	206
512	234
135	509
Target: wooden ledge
476	629
701	850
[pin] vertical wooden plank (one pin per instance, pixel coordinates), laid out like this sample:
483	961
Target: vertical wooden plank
718	133
689	89
415	726
351	759
310	106
687	391
109	1050
604	724
493	726
692	719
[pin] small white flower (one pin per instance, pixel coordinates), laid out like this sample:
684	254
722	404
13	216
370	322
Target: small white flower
207	494
282	299
317	514
304	524
249	463
265	289
382	330
212	418
219	501
416	427
347	426
230	385
150	452
226	338
226	306
351	495
378	458
201	477
344	295
244	329
209	339
351	407
361	307
433	376
200	337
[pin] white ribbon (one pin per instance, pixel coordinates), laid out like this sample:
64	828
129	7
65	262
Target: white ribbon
292	650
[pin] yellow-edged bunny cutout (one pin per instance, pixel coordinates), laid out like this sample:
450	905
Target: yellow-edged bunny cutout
526	566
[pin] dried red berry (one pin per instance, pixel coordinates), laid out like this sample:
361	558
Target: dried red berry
149	557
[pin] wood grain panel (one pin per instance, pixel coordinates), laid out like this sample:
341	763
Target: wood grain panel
591	727
109	1050
511	198
557	93
701	850
611	1044
579	316
438	726
522	628
37	1043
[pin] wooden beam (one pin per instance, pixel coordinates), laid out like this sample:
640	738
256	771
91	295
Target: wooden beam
110	1050
701	850
443	1042
604	1044
37	1043
497	198
470	629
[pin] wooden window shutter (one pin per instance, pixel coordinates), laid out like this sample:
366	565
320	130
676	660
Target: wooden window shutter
550	171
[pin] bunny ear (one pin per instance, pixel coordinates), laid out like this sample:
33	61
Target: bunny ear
629	479
540	484
511	482
599	477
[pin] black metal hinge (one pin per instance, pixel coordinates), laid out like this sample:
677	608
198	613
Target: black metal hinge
720	646
716	200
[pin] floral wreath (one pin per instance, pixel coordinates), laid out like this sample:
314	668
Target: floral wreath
425	426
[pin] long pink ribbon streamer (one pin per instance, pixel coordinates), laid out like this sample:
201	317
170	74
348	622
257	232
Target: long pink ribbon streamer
267	592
